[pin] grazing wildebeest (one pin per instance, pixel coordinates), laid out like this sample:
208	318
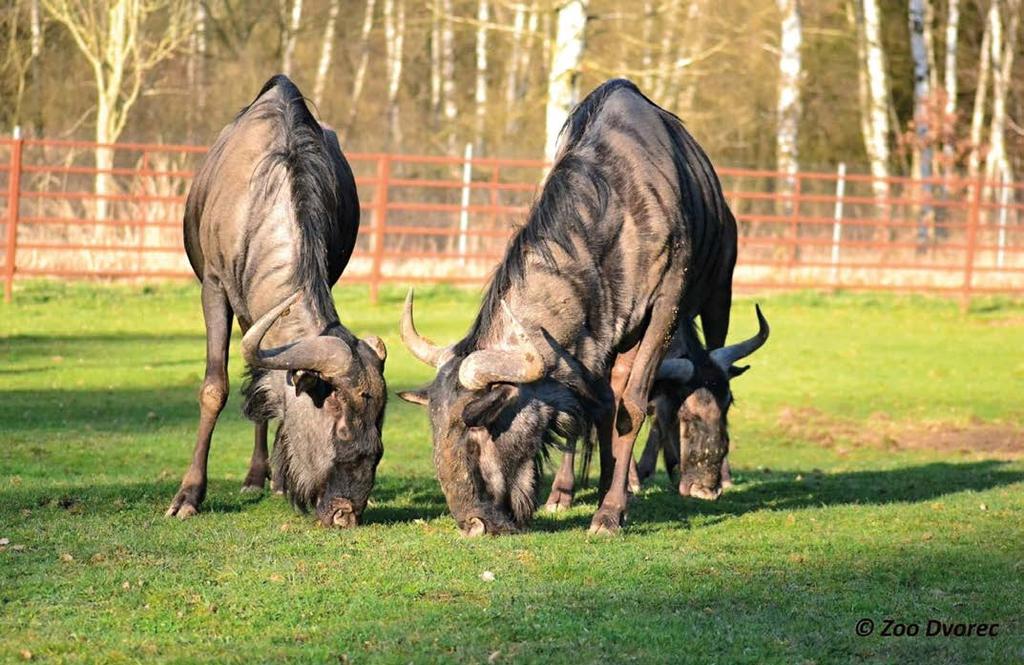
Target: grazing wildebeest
270	223
689	402
629	232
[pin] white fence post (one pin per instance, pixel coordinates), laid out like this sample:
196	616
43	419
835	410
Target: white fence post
467	180
837	224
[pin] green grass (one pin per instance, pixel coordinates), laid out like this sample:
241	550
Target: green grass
97	417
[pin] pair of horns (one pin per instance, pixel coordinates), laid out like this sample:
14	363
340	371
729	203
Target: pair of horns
682	369
516	361
328	356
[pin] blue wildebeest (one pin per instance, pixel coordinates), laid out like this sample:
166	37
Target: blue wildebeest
689	402
629	233
270	223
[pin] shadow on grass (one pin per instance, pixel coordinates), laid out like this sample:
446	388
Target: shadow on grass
783	492
403	498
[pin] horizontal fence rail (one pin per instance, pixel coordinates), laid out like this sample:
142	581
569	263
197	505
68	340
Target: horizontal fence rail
447	219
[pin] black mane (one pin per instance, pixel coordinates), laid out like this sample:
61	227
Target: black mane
317	198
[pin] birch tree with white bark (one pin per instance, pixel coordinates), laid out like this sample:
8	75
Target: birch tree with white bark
448	104
359	78
290	37
877	109
922	92
483	17
394	40
1003	49
980	96
122	41
326	52
788	108
950	82
563	76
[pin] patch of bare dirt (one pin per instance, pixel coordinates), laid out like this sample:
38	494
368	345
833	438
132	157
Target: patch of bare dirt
881	431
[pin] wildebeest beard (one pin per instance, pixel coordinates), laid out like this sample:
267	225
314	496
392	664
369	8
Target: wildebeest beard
497	440
320	470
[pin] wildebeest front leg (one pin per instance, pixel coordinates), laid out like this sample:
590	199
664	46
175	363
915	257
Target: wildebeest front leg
564	484
631	407
212	397
259	467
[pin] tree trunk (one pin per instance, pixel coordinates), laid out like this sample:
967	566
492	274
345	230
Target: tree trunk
949	75
647	57
666	67
929	45
789	94
196	67
435	61
326	53
515	54
394	36
980	94
1003	48
877	141
288	52
483	16
364	61
690	45
566	57
923	141
448	74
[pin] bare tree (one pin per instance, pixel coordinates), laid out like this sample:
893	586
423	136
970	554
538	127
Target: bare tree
394	39
122	40
197	65
326	52
448	73
1003	47
950	81
922	93
980	95
483	16
364	62
290	37
435	60
876	140
566	56
667	72
789	92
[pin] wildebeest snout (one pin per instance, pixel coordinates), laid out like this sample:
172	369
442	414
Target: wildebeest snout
339	512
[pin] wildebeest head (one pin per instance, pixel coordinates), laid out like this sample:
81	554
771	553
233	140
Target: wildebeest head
490	411
331	407
703	414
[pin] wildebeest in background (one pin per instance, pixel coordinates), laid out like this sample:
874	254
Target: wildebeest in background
691	400
270	223
689	403
630	232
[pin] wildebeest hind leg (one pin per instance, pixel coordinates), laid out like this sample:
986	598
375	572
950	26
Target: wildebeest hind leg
564	484
212	397
259	467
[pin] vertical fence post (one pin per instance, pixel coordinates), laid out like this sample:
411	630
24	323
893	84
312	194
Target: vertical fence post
973	220
837	224
143	210
467	181
13	205
380	216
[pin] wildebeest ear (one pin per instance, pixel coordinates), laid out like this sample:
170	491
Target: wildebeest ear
311	384
377	344
485	409
418	396
736	370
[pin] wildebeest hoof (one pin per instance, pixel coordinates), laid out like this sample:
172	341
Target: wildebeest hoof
558	501
606	523
474	527
186	503
726	484
341	514
251	489
698	491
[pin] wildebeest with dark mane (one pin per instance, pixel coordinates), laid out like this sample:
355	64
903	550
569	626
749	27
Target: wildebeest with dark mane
689	402
270	223
629	233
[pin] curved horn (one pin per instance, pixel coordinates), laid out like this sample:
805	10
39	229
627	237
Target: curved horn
727	355
675	369
424	350
521	362
326	355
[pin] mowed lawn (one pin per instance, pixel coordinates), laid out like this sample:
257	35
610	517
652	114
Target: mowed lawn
878	456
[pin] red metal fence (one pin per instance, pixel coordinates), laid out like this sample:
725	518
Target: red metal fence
447	219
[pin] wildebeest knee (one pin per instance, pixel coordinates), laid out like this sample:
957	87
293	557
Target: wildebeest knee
213	395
